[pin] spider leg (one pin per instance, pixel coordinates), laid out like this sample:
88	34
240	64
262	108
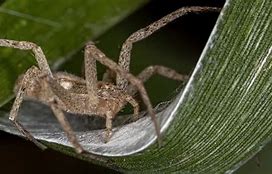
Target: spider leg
26	82
24	45
135	106
160	70
163	71
109	117
91	76
101	57
66	127
55	93
124	58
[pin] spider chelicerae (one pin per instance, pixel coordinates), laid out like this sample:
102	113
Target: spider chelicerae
65	92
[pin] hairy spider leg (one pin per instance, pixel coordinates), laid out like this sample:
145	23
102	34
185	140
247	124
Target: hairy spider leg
125	53
149	71
101	57
27	80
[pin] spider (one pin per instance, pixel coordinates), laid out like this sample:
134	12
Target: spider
65	92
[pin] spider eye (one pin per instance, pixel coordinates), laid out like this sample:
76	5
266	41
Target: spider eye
66	85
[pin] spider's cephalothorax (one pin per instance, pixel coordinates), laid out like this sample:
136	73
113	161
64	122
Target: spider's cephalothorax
69	93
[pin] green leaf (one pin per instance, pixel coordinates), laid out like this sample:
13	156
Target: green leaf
61	28
224	116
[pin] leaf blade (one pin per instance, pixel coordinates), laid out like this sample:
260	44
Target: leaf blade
217	128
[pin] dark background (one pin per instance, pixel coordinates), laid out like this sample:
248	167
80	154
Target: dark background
180	45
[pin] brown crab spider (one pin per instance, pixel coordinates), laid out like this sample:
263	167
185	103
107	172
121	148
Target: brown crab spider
66	92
